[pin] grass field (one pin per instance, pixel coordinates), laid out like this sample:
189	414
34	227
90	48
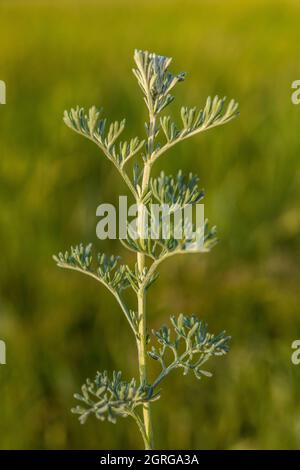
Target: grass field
59	327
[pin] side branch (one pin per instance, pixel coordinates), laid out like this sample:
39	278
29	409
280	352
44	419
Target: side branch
194	122
111	290
93	128
110	158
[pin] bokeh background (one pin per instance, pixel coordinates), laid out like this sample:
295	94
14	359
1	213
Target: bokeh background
60	327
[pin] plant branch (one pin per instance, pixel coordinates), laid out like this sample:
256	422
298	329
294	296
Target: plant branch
110	157
113	292
153	268
157	153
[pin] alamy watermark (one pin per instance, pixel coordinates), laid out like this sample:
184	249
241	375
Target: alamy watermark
295	357
295	96
2	352
2	92
151	221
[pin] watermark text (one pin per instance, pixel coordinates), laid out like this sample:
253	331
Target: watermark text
151	221
2	352
2	92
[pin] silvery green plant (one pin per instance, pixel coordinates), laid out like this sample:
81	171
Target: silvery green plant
186	340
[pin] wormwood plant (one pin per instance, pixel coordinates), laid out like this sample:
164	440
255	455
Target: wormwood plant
186	343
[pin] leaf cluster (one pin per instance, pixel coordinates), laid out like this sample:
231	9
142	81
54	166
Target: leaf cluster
106	268
213	114
109	398
154	79
191	345
90	125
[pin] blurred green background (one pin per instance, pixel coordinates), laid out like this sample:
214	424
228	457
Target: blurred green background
60	327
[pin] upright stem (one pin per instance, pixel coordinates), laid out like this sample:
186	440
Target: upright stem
142	361
142	336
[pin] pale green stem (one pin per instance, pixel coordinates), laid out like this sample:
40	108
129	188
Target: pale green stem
142	353
141	296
